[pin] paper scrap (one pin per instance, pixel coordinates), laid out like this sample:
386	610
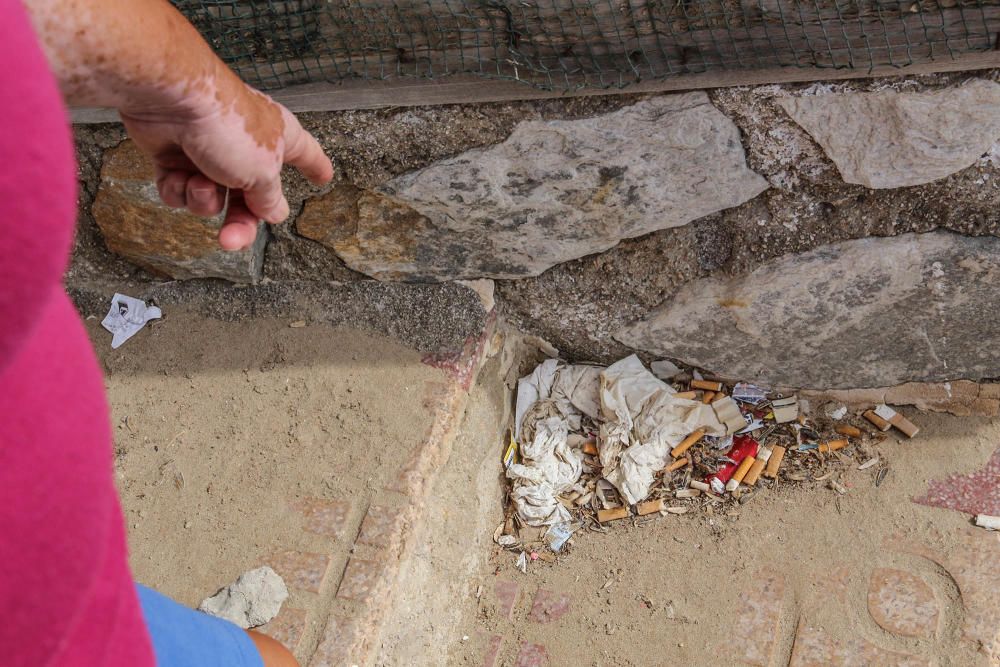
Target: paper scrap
559	534
749	393
126	317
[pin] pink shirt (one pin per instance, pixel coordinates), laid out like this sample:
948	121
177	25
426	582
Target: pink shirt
66	594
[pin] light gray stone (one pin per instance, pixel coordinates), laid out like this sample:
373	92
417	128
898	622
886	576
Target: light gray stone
553	191
864	313
250	601
891	139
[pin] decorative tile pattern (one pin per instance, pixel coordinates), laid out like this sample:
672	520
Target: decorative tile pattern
549	606
361	579
302	570
756	628
532	655
902	603
324	517
382	526
506	592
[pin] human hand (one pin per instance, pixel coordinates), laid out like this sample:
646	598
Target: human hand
231	137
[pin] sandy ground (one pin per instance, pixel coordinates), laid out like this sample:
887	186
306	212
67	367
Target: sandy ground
219	425
666	592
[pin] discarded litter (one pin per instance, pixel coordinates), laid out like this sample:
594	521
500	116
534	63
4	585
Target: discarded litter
988	522
785	410
251	601
126	317
749	393
897	420
522	563
559	534
592	446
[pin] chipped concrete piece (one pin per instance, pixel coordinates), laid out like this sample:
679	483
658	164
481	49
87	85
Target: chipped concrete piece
252	600
926	292
988	522
961	398
553	191
173	242
891	140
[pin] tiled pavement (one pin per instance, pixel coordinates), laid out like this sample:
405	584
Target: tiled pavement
937	603
352	580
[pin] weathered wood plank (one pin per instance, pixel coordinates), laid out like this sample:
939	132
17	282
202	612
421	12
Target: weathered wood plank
464	89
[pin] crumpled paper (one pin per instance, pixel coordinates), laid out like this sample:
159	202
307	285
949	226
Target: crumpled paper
126	317
550	467
557	388
644	421
640	420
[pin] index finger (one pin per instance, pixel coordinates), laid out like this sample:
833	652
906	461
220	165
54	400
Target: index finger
303	152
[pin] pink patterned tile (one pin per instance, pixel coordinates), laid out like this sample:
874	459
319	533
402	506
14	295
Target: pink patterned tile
506	592
976	493
532	655
549	606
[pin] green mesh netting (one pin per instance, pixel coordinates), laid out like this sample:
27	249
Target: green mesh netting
568	44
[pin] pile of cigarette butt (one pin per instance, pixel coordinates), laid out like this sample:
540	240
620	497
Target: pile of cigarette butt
775	441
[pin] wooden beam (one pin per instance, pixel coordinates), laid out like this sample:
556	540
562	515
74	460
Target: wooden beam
457	89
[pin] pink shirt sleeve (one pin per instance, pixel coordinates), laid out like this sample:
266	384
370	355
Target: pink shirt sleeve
65	589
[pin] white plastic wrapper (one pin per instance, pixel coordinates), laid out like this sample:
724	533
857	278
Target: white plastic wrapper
126	317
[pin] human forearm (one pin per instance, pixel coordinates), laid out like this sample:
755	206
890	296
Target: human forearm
204	129
141	56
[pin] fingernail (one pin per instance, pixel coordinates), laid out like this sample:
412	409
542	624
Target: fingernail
202	196
181	192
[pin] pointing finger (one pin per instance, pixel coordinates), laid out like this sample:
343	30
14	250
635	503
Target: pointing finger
303	152
266	201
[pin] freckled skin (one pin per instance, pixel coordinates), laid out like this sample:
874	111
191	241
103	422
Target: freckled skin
205	130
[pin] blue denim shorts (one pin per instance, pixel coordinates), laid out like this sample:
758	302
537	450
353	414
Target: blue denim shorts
185	637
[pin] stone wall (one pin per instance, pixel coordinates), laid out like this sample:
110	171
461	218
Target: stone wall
825	236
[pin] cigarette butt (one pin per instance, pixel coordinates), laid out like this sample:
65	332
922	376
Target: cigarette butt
905	425
686	394
687	442
677	465
590	448
707	385
832	446
773	463
764	454
988	522
849	431
707	397
742	470
687	493
880	423
649	507
754	473
612	514
700	486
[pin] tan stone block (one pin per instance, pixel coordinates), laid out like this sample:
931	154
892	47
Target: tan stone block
989	390
174	242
